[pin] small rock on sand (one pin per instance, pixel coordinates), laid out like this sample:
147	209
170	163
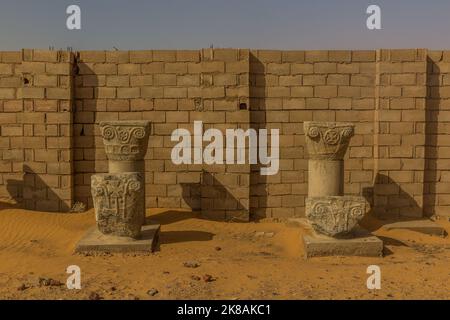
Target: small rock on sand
22	287
94	296
191	264
49	282
208	278
152	292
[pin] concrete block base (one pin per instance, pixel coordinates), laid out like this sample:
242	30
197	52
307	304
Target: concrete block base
94	240
423	226
362	244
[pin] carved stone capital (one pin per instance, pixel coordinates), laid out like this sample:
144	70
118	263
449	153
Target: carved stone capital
119	203
327	140
125	140
335	216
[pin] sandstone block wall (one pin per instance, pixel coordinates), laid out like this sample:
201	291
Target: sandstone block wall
51	103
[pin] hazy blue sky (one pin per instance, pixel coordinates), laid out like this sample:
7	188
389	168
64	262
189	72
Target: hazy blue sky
189	24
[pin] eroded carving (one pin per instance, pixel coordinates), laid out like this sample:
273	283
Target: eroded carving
125	140
327	140
119	203
335	216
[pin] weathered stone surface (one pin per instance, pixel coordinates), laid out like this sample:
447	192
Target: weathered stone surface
327	140
362	244
335	216
326	178
119	203
125	140
94	241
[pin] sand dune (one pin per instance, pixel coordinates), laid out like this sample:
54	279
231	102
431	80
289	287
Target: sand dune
243	262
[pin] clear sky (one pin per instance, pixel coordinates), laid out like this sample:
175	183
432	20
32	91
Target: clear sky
192	24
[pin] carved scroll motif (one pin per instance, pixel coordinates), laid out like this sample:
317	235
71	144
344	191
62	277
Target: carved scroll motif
125	140
327	140
335	215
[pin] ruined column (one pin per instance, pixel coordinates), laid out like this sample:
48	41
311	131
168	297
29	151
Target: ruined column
119	196
329	211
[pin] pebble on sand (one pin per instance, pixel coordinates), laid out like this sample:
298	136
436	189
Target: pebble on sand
191	264
152	292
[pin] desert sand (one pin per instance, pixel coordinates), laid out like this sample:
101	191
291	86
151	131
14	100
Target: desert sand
256	260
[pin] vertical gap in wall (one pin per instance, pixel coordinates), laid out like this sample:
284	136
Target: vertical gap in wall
376	120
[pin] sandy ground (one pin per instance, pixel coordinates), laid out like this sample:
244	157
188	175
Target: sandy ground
258	260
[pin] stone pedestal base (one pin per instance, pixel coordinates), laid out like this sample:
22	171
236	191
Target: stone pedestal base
363	244
96	241
423	226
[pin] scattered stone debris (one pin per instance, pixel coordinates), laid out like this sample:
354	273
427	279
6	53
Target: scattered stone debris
113	288
22	287
95	254
191	264
218	248
49	282
78	207
208	278
152	292
196	278
166	272
94	296
260	234
251	277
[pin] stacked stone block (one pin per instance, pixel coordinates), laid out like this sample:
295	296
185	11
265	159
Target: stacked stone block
437	156
11	129
225	188
47	129
400	133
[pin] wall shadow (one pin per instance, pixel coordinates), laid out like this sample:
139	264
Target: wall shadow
172	216
432	105
213	199
258	182
84	152
191	194
33	193
388	203
168	237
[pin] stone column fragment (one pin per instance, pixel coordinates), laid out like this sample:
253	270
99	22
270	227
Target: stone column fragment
330	212
119	196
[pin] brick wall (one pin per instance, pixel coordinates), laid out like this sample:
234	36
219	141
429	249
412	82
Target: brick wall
11	130
396	98
437	151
